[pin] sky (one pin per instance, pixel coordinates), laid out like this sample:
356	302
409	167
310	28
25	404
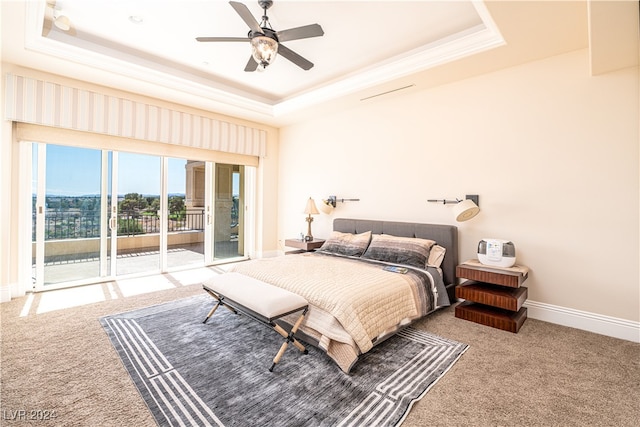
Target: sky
73	171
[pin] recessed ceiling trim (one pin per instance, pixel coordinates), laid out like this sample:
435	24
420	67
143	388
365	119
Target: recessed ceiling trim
68	52
100	61
477	39
166	80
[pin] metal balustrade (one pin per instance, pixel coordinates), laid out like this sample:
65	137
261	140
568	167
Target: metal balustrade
71	224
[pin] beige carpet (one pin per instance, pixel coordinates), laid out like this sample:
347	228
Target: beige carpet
61	361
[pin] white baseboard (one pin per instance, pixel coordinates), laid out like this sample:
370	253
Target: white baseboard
5	293
268	254
597	323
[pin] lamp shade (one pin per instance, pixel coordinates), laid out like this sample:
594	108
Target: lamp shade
465	210
311	208
326	207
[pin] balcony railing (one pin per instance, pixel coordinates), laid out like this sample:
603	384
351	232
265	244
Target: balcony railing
76	224
131	223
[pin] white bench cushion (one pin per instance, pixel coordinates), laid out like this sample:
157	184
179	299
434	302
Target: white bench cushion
265	299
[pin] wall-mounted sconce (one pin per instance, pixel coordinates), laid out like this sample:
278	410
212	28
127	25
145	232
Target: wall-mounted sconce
54	15
463	209
61	21
329	204
310	209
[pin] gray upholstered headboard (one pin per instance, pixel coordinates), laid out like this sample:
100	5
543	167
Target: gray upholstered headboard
444	235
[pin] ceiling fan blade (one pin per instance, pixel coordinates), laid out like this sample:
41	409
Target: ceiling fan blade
294	57
252	65
305	32
222	39
246	16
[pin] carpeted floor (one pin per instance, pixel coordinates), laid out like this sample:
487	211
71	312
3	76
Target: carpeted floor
61	365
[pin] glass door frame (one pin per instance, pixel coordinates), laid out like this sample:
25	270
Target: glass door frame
247	185
116	242
209	198
38	282
41	150
113	219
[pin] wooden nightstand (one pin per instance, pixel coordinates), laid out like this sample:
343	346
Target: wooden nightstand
494	295
302	245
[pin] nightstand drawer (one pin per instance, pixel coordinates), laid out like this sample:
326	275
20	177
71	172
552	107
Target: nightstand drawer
495	296
487	275
494	317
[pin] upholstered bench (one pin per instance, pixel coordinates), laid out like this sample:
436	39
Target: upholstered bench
260	301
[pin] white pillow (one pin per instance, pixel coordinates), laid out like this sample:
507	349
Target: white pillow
436	255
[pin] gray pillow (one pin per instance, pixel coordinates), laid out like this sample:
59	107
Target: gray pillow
347	243
399	250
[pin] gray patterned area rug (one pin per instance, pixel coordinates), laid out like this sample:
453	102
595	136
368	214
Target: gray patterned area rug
190	373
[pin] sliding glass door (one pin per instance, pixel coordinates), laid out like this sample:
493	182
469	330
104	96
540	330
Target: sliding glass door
101	214
135	201
229	211
66	214
186	213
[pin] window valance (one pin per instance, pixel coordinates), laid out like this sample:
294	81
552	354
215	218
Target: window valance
29	100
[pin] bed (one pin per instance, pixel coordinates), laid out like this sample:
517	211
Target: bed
355	300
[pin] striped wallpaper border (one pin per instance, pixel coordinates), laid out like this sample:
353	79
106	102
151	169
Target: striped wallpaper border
29	100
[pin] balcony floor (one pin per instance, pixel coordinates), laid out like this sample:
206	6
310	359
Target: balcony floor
133	262
60	299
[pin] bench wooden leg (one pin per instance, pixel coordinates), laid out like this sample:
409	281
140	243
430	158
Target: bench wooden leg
213	310
219	303
295	329
276	359
289	338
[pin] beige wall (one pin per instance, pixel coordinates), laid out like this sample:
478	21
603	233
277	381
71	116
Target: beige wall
551	151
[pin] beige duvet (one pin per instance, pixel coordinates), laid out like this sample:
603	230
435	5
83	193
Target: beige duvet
353	304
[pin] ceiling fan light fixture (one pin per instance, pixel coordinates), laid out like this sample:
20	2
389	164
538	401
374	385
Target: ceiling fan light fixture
264	50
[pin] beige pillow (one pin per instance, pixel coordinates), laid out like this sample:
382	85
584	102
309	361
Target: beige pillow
436	255
347	243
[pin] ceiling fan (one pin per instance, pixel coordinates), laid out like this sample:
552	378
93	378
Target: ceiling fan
265	41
